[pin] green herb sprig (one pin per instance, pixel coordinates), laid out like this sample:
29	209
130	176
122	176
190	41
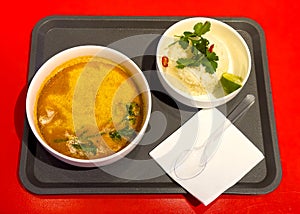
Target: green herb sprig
133	111
201	52
88	147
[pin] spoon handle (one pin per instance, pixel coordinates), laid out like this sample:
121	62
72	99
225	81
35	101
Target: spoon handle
212	145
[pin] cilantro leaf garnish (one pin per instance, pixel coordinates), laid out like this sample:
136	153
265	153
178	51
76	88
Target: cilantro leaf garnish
133	111
202	54
86	147
200	29
189	62
115	135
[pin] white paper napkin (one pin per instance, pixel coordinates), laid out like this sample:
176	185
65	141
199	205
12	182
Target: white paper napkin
235	157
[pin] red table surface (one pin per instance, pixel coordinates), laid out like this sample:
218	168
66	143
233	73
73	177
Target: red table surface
279	20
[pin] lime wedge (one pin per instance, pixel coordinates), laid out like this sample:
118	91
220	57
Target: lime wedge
230	82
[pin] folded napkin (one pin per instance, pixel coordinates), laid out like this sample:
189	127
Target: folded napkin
235	157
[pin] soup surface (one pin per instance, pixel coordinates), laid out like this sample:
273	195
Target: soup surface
89	107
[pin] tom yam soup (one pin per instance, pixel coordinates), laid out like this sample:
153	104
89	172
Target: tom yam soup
89	107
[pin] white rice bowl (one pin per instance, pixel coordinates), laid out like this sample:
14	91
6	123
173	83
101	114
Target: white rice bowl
193	85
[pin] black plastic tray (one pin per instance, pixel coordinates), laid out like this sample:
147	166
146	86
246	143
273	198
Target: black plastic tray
137	37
